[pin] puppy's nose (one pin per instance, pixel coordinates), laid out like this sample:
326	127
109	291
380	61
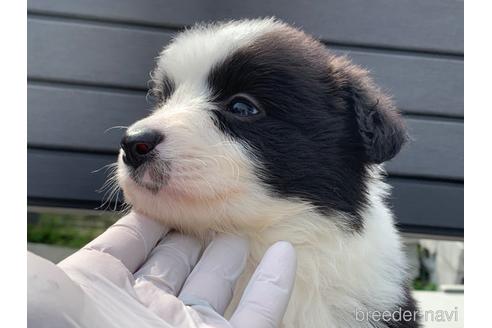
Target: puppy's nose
137	146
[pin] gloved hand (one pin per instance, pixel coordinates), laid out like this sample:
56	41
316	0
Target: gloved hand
123	279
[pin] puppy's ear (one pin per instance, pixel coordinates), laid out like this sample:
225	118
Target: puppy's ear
379	123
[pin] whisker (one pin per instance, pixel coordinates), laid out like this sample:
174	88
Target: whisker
116	201
110	187
115	127
106	167
114	192
108	183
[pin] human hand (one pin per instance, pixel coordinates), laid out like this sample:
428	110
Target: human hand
128	278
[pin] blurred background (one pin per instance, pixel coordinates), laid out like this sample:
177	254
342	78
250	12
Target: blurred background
88	68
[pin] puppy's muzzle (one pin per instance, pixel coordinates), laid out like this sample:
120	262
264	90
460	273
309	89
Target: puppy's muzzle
137	146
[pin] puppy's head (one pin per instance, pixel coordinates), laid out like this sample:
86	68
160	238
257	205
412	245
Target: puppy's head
255	119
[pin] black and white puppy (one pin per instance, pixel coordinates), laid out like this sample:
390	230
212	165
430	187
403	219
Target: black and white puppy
260	130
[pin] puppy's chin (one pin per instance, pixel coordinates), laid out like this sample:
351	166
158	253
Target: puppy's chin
153	186
174	203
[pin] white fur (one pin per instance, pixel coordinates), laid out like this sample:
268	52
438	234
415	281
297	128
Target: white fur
213	186
189	58
338	272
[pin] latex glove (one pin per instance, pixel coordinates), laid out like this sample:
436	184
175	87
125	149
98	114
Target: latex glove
123	279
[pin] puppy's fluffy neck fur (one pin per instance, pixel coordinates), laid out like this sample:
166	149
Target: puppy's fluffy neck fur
339	272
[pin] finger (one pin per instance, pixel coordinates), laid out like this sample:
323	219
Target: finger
167	267
266	297
212	281
119	251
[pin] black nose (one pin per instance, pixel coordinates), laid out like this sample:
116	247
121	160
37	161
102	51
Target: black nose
138	145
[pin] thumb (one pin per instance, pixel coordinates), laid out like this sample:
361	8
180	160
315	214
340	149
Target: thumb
267	295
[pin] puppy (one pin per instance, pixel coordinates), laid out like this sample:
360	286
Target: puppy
260	130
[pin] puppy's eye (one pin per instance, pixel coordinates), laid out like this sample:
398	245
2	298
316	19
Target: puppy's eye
242	107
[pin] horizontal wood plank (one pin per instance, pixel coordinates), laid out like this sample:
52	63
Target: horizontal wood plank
76	118
428	207
435	25
81	118
435	150
57	177
103	55
66	176
92	53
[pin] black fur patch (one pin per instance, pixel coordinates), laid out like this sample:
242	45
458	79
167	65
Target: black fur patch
324	120
309	141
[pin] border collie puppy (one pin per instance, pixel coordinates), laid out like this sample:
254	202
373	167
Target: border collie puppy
260	130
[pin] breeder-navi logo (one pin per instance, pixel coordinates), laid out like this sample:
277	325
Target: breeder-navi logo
407	315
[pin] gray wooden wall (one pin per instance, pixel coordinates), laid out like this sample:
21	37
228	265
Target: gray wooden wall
89	60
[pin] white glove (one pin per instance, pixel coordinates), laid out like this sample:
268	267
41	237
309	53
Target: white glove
122	279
